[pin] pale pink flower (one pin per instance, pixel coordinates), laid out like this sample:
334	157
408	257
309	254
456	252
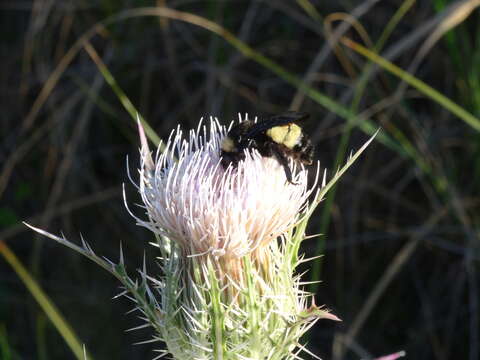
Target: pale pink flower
208	210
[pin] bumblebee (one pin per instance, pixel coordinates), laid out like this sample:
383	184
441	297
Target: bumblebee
280	137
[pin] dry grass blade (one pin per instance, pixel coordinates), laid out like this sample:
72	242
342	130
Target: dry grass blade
61	210
361	31
435	95
454	16
325	52
23	149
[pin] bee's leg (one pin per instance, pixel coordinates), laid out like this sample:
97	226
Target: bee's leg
282	159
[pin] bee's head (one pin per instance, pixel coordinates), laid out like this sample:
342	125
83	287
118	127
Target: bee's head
228	145
305	151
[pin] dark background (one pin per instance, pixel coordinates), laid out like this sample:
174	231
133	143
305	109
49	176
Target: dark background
401	230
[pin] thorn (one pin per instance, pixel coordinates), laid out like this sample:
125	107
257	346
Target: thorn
144	149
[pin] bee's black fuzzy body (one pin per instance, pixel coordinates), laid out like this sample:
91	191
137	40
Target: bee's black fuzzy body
280	136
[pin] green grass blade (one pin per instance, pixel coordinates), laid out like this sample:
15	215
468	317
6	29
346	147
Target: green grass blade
310	9
315	269
45	303
127	104
5	352
416	83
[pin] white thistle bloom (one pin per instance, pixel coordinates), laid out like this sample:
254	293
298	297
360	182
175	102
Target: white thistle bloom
229	249
207	210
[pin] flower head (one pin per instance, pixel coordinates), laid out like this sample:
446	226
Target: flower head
208	210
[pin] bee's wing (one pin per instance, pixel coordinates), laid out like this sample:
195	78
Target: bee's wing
277	120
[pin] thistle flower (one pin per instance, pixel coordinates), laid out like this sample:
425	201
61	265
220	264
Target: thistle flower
229	249
209	211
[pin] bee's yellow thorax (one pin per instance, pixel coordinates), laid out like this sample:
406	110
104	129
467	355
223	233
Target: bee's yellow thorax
288	135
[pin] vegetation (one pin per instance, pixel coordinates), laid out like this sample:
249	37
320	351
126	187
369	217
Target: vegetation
400	243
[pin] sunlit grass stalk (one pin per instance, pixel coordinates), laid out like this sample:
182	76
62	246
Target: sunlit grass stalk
44	301
418	84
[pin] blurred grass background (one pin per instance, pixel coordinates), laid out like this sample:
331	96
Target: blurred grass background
401	245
